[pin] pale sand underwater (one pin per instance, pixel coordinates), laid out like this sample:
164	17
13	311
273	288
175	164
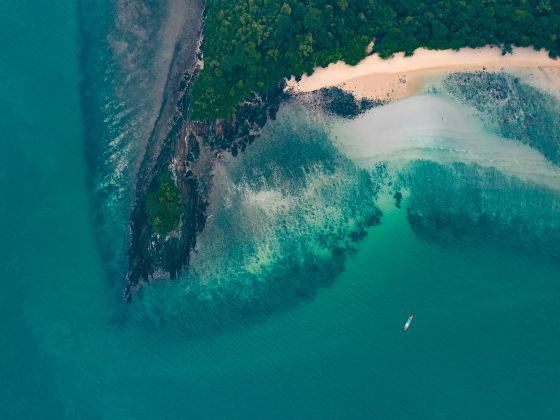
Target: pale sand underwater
441	130
400	76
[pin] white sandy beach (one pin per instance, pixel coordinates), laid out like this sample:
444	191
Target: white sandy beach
402	76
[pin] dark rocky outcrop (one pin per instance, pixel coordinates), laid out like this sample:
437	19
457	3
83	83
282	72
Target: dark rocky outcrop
336	101
188	150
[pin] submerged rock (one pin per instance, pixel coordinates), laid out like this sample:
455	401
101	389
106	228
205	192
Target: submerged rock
511	108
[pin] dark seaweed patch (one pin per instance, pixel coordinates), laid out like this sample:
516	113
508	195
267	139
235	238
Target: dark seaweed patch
514	109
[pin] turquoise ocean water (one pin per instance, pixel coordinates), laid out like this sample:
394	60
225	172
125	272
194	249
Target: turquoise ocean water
288	311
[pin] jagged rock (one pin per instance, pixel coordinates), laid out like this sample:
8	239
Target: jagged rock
188	149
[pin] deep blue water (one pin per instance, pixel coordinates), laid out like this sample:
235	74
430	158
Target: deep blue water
269	323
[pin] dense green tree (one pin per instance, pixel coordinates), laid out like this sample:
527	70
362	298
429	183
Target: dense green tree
249	45
164	206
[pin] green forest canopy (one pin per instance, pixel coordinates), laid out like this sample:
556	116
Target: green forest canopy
164	206
249	45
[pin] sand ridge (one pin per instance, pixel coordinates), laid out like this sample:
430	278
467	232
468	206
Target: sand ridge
401	76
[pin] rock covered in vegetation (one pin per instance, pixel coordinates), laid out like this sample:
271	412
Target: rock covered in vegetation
170	213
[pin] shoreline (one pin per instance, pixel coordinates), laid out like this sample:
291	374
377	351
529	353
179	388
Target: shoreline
400	76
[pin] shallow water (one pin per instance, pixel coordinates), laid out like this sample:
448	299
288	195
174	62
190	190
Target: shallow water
443	130
286	312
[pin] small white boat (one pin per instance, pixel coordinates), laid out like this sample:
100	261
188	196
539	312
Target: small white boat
408	322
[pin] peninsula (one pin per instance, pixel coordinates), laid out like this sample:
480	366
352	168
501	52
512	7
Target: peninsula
234	81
